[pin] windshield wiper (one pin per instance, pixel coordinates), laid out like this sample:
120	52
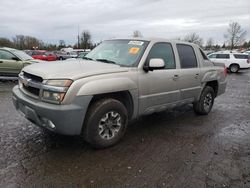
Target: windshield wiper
87	58
106	61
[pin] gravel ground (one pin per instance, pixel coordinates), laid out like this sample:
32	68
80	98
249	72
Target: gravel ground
175	148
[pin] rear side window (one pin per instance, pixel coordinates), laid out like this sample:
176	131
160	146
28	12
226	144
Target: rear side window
240	56
222	56
163	51
187	56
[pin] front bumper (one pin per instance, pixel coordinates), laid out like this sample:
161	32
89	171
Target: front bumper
63	119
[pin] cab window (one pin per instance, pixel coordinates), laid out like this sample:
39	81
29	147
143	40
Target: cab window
165	52
187	56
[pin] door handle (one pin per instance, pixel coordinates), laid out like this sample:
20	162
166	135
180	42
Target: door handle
176	77
196	75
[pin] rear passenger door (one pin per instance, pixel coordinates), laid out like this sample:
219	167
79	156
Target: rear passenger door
189	80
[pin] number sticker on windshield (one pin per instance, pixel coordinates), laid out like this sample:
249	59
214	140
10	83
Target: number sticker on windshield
134	51
134	42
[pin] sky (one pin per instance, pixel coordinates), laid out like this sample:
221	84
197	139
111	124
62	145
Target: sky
54	20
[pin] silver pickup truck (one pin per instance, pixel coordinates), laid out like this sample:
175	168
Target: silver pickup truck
118	81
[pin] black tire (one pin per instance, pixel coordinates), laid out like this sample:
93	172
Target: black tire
95	124
206	101
234	68
60	58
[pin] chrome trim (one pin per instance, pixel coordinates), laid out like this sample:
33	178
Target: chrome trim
41	86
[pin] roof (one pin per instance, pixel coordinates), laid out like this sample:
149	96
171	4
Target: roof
154	39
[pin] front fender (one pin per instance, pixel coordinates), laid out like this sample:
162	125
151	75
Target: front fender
108	85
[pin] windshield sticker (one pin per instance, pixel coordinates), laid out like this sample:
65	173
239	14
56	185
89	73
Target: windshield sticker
138	43
134	51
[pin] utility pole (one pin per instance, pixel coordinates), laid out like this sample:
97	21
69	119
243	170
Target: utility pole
78	39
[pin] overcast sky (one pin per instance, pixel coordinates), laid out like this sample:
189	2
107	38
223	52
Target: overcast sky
52	20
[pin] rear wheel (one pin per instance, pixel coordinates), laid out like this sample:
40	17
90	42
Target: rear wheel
206	101
106	123
234	68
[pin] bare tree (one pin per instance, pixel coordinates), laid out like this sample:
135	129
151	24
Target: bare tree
137	34
194	38
210	43
235	35
61	44
5	42
85	40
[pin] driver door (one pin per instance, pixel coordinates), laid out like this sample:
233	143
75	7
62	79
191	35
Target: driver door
158	89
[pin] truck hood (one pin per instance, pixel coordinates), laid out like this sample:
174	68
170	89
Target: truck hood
70	69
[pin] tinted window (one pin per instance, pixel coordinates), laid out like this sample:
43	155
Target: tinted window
6	55
187	56
222	56
240	56
203	55
163	51
212	56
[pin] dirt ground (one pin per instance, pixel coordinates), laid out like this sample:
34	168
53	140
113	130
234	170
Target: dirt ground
170	149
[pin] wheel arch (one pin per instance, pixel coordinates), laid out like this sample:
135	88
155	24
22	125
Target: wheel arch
125	97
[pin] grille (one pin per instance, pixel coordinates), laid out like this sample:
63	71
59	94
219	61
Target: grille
32	77
30	89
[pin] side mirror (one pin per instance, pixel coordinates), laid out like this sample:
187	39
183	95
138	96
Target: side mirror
154	64
15	58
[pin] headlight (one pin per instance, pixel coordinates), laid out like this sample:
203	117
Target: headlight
55	90
59	83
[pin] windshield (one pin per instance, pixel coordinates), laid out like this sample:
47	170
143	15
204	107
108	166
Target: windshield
121	52
22	55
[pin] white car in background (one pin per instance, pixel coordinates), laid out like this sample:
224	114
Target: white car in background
233	61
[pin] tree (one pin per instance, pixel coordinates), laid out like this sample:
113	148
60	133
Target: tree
85	40
137	34
4	42
235	35
194	38
61	44
209	44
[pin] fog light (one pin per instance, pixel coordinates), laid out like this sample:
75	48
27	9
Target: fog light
51	124
47	123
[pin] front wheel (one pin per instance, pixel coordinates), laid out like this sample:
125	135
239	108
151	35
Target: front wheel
206	101
106	123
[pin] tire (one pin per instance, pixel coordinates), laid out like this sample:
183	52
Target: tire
234	68
206	101
60	58
106	123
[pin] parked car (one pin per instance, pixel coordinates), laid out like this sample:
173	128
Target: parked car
12	61
66	55
233	61
119	81
81	55
43	55
247	52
